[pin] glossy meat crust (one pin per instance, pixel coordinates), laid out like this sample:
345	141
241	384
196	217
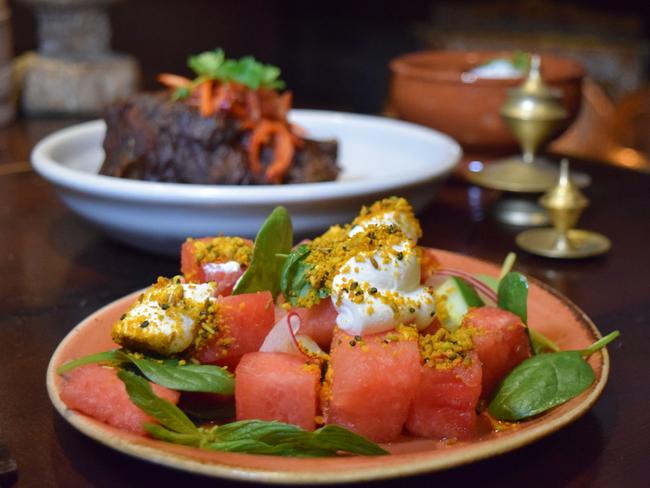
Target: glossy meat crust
151	138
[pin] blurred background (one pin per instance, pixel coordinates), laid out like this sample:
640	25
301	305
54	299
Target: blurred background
335	54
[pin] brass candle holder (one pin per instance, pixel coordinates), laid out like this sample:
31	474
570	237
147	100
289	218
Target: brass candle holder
564	204
534	113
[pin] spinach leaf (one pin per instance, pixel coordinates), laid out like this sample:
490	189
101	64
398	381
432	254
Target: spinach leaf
294	279
165	412
274	238
544	381
110	357
168	373
600	343
541	343
540	383
513	294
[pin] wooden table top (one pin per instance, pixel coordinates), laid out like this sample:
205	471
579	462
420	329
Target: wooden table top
56	269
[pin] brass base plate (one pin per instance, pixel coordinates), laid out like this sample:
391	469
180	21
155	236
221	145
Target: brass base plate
583	243
514	175
520	211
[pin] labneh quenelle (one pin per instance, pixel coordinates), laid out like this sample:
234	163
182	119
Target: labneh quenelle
373	271
327	347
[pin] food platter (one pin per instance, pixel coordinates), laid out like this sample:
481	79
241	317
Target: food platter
549	312
378	156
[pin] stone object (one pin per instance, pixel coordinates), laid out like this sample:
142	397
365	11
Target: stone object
6	95
74	70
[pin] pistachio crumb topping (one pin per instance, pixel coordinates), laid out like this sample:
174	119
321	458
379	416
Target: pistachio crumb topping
165	316
446	350
222	248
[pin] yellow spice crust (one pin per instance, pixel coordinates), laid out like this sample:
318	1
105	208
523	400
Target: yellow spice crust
222	248
446	350
140	331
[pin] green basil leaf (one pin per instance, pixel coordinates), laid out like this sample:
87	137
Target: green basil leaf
294	277
191	377
540	383
111	357
274	237
289	268
271	438
340	439
165	412
513	294
259	430
250	446
161	433
290	440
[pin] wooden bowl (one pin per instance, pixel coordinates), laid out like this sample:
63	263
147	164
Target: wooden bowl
436	88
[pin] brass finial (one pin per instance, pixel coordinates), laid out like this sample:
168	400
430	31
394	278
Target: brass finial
564	203
534	112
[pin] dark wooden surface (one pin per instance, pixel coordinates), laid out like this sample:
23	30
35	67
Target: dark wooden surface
56	269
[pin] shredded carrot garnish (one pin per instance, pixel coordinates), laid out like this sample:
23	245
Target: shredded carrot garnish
174	81
206	98
262	111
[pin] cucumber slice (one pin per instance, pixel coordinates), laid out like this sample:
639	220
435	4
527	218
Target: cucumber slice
454	298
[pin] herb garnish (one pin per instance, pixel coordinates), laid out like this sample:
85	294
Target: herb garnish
213	65
168	373
294	278
545	381
272	244
247	436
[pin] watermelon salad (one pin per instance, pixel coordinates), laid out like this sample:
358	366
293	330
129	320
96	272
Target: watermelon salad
323	348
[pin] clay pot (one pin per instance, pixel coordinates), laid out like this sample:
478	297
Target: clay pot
435	88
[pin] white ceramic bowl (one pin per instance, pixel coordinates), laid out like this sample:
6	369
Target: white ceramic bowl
379	157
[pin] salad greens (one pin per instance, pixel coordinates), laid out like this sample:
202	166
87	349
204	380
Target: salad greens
168	373
513	294
294	277
545	381
272	244
248	436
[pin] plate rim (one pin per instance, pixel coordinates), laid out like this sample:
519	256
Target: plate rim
159	192
468	454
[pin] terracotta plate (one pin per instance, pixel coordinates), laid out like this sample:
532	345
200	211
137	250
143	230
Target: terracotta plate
548	311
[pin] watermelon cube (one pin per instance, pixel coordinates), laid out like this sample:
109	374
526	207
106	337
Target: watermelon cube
277	386
318	322
242	323
500	341
445	403
96	391
221	260
371	382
